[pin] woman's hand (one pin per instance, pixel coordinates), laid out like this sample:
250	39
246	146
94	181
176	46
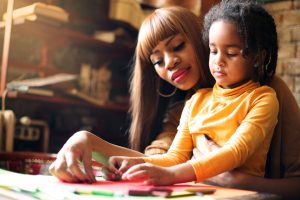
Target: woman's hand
232	178
150	174
207	146
74	160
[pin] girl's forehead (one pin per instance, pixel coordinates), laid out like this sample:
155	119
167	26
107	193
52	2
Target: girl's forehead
226	33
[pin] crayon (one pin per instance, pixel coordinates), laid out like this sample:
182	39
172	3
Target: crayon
94	192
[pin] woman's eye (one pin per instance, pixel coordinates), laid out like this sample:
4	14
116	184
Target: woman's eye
159	62
213	52
179	47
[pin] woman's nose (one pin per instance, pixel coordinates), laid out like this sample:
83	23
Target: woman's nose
171	61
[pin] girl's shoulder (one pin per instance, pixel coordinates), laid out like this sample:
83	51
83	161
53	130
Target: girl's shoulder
265	89
264	94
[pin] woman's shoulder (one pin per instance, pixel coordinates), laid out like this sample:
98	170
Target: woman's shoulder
201	96
203	91
279	85
284	149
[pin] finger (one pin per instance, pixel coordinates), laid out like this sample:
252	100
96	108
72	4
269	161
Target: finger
59	169
113	164
75	167
88	167
136	169
197	153
205	148
124	166
213	145
107	174
136	175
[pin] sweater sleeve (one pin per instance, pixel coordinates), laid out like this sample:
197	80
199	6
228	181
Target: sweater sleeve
181	148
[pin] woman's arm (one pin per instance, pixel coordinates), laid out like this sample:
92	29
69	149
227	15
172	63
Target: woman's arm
79	147
288	188
164	140
74	160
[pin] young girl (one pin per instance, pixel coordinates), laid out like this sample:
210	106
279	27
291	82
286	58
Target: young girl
239	113
151	94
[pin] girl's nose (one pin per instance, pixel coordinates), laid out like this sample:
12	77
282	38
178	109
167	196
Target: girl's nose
218	59
171	61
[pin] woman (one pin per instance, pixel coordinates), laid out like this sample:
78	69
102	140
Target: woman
150	95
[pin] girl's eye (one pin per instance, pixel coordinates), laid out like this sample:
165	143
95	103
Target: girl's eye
232	54
179	47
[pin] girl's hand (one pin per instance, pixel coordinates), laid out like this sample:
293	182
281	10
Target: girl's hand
74	160
150	174
120	164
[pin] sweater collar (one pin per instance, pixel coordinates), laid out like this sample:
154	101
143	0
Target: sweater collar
234	92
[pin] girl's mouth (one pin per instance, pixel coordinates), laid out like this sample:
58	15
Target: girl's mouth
219	73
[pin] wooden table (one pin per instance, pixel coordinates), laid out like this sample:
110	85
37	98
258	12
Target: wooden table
23	186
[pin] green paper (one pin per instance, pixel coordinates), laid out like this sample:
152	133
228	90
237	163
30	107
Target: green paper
100	158
105	170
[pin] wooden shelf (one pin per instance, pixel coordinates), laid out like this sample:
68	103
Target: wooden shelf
46	70
65	100
63	48
59	35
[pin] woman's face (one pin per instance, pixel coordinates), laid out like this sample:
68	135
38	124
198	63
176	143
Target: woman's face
174	61
226	62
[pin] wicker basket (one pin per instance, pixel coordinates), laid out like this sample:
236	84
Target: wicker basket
26	162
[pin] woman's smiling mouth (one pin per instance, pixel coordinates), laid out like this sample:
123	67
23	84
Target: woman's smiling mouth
180	74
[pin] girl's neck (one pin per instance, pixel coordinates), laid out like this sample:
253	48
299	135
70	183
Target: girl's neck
236	84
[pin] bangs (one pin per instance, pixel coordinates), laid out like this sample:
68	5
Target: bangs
155	29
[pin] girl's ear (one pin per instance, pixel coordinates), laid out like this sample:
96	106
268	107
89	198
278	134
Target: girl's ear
260	57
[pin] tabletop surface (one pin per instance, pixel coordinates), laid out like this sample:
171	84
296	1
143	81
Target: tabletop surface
48	187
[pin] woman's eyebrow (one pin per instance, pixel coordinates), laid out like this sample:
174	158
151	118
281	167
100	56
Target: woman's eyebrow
168	40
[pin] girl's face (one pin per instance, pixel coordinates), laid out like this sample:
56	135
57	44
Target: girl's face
226	62
174	61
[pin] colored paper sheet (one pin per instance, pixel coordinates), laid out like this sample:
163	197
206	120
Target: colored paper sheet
51	188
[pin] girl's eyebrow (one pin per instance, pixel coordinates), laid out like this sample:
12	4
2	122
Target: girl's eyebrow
227	45
168	40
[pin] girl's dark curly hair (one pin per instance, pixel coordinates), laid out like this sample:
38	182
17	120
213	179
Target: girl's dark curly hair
256	28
